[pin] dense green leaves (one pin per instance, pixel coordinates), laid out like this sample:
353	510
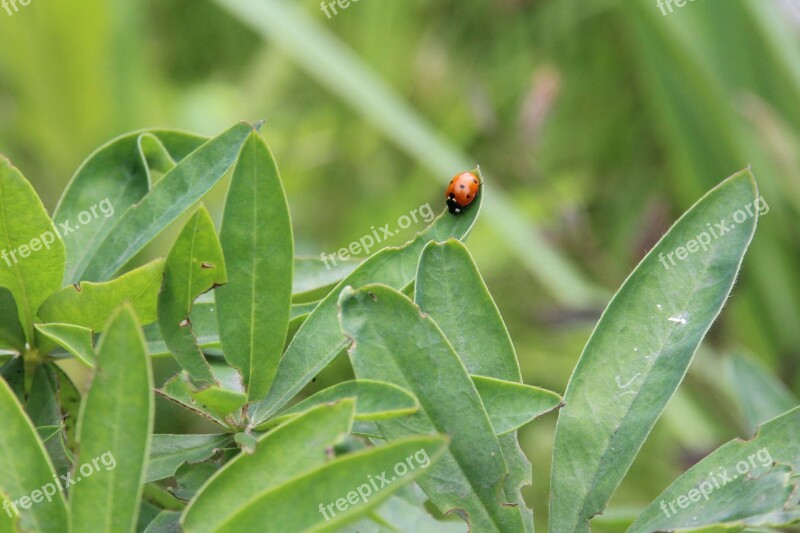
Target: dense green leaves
219	402
253	308
26	473
194	266
451	291
177	389
320	338
393	342
752	482
168	452
178	190
375	400
90	304
297	446
116	176
114	432
339	492
642	347
32	253
204	328
248	348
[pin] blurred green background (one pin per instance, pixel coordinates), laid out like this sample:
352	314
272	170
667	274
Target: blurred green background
597	123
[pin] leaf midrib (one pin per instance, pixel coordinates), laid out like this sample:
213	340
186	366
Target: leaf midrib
254	239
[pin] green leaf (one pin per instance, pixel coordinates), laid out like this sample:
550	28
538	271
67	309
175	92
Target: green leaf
26	471
511	405
194	266
485	346
761	395
176	192
641	349
394	342
165	522
155	494
70	400
406	512
42	406
11	333
168	452
177	389
77	340
32	253
752	482
114	177
253	308
13	372
90	305
451	290
219	403
218	400
156	155
114	431
7	523
246	441
297	446
320	338
190	478
295	323
375	400
204	327
314	278
297	504
508	404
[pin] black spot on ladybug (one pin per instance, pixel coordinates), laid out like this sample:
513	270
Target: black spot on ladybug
461	187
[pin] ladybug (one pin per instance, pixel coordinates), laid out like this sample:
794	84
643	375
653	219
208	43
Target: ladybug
461	192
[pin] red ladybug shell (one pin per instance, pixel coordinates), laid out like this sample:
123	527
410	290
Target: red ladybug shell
461	192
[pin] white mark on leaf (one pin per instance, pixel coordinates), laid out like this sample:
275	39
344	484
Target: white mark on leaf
681	319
